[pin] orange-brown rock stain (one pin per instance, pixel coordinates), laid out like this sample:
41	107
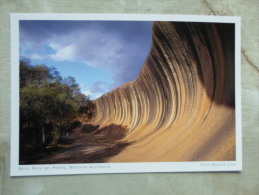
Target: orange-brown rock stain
182	105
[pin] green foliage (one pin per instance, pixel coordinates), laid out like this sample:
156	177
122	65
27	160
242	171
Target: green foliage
48	105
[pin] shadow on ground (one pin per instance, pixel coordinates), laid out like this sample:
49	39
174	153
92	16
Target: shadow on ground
86	144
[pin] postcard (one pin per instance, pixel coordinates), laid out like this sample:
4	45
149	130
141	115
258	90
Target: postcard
125	93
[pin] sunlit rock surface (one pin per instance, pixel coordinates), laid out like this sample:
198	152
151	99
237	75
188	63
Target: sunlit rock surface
182	105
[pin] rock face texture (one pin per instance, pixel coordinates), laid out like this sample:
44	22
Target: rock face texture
182	105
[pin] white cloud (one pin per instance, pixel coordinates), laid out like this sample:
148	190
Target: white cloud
54	45
87	92
66	53
36	57
92	95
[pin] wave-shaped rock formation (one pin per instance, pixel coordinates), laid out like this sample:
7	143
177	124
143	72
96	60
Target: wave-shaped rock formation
182	105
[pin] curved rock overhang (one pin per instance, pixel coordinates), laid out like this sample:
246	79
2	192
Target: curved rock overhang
182	105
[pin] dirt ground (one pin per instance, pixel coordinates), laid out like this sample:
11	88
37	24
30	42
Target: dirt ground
85	144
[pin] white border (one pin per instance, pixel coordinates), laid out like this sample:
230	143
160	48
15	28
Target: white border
97	168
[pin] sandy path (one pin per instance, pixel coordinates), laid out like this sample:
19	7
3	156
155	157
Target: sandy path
84	146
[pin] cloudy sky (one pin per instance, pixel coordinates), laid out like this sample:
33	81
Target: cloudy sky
101	55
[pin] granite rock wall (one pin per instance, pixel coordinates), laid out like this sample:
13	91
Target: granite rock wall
182	105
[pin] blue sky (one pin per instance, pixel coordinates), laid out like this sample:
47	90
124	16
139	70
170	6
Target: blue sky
101	55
